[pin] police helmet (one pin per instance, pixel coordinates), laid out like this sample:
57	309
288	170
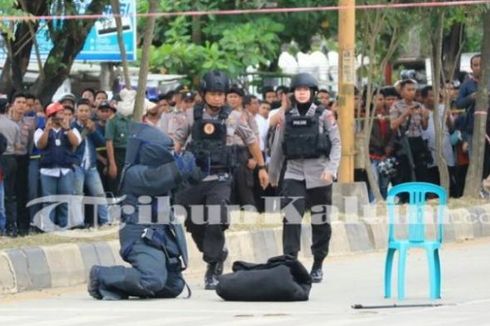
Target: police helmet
214	81
305	80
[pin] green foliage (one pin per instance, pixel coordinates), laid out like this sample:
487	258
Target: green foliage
232	42
9	8
232	47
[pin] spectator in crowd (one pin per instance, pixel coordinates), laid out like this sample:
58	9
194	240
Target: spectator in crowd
57	142
39	108
34	176
243	178
324	98
86	175
68	100
3	219
381	144
264	109
188	100
408	119
164	103
8	162
262	124
104	112
390	95
100	96
467	97
446	122
152	114
26	126
116	136
281	90
30	105
269	95
89	94
177	116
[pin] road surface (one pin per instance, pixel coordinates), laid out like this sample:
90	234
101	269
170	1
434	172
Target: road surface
354	279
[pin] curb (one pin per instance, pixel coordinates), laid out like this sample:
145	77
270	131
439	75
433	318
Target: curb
66	265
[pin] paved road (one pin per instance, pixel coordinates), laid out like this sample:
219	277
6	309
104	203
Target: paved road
350	280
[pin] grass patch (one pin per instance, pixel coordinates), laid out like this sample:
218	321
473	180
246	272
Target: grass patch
49	239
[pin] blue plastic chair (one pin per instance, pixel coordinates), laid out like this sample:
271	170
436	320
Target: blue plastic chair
416	235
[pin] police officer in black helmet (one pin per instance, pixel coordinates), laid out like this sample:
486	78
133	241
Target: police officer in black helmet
212	127
307	140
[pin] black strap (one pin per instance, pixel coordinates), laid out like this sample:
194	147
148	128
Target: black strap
189	292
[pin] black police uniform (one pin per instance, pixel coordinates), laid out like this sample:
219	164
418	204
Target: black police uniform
216	156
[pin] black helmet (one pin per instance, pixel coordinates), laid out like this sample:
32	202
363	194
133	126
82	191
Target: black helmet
304	79
214	81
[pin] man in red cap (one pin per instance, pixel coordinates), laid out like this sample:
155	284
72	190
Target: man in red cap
57	143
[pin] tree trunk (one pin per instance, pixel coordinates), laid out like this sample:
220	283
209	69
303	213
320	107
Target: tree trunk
124	59
437	38
68	42
475	170
19	49
196	30
145	62
451	50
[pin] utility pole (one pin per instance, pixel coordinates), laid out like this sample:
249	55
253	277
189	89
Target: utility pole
347	78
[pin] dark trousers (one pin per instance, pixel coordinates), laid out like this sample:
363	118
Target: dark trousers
207	224
150	275
460	172
315	199
243	186
9	165
34	186
22	193
119	157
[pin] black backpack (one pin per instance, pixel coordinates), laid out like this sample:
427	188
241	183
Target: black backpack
281	278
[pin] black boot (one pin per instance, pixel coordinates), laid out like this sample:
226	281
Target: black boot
211	277
316	272
219	265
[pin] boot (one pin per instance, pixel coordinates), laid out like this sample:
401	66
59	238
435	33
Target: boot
316	272
219	265
211	277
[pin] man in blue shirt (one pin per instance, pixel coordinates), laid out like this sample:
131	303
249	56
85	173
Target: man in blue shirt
86	175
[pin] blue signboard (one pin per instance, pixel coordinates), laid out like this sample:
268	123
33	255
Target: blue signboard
101	43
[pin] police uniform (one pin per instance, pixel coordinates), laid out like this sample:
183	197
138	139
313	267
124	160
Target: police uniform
309	144
153	246
170	121
213	142
243	177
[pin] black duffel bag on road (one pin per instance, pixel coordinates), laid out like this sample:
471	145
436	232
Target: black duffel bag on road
281	278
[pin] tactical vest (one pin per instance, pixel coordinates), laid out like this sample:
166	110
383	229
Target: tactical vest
58	153
302	137
208	142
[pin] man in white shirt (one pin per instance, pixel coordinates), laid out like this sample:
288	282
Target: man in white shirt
57	143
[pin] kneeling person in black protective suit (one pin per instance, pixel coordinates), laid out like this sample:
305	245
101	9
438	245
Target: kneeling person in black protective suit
153	246
307	140
213	126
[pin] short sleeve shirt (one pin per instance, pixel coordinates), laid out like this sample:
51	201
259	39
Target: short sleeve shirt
117	130
412	127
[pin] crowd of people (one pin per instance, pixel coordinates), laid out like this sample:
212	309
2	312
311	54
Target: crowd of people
77	145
